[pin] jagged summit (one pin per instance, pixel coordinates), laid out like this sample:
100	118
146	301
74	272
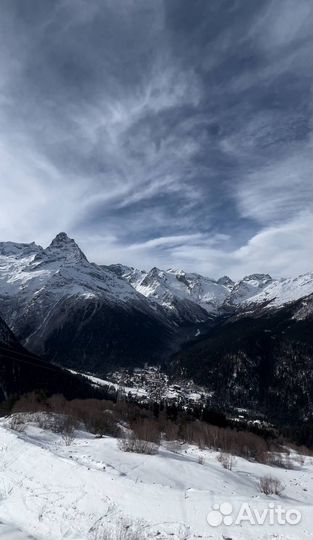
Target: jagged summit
225	280
63	247
258	277
62	238
171	288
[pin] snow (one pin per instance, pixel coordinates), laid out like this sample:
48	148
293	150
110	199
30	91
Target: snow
50	491
30	274
135	391
62	269
168	287
34	280
286	290
172	288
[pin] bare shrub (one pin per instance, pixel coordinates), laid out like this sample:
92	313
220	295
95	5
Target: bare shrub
57	403
55	422
173	446
131	444
196	433
68	437
271	485
46	421
231	441
300	459
170	431
283	461
97	416
226	460
30	403
262	456
147	430
102	423
66	426
288	462
17	422
143	439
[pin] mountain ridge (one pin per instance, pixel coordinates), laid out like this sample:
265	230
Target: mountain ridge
88	316
169	287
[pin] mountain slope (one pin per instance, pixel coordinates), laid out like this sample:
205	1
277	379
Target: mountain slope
182	293
186	297
21	371
76	312
274	293
59	492
259	360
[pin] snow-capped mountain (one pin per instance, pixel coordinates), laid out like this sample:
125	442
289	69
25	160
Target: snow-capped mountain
89	317
181	292
185	296
27	269
273	293
61	305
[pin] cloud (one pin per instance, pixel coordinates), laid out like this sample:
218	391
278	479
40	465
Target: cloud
167	241
282	249
161	133
277	250
278	190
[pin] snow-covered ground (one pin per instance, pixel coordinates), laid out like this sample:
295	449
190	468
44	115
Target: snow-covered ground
50	491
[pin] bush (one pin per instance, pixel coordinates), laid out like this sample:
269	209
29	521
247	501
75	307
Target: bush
47	421
102	423
170	431
146	430
131	444
279	460
300	459
17	422
67	426
226	460
271	485
30	403
227	440
144	438
104	417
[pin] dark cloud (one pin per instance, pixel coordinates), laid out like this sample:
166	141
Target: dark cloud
127	121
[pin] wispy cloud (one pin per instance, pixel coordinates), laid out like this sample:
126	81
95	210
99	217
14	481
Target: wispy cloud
278	190
161	133
167	241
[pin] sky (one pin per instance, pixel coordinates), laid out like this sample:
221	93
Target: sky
169	133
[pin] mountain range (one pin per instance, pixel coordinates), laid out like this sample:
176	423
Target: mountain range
248	341
181	293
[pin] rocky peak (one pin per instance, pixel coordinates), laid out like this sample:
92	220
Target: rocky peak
258	277
226	281
63	247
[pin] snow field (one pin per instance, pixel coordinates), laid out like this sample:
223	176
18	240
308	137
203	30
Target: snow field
50	491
